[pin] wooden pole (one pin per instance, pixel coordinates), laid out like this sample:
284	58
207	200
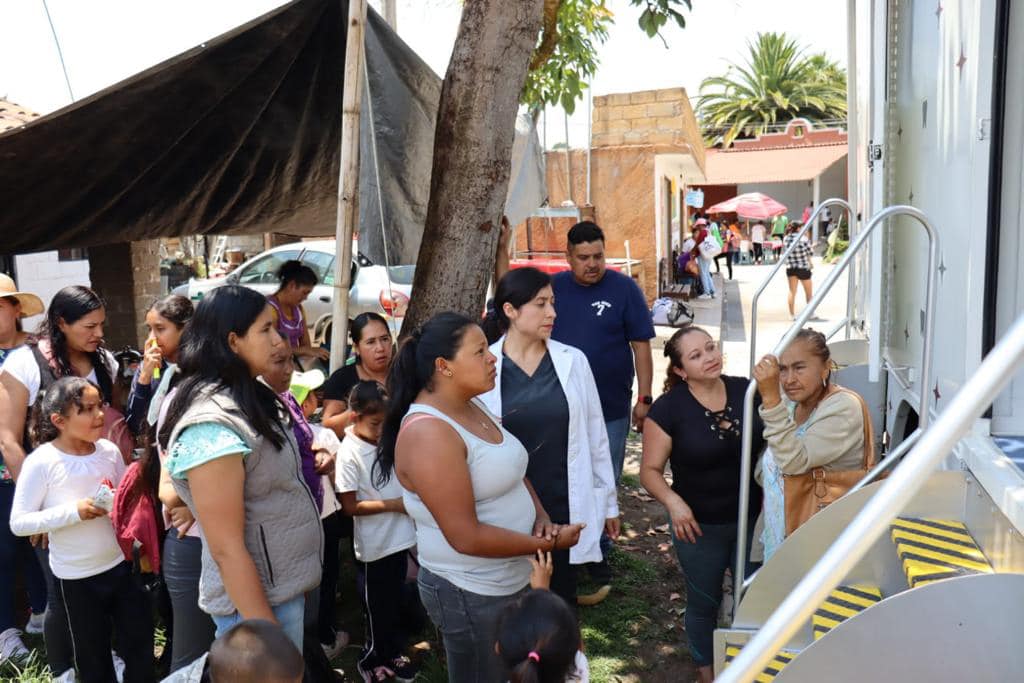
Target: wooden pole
348	180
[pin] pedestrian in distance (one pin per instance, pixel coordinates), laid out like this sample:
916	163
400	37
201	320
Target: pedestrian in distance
66	490
464	484
546	396
799	264
757	241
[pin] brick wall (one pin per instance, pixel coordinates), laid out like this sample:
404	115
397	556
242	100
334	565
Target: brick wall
127	276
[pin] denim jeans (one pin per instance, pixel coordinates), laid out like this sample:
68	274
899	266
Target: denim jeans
618	432
705	275
704	564
16	551
289	615
468	623
193	628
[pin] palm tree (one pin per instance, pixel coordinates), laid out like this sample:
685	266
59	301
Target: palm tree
777	84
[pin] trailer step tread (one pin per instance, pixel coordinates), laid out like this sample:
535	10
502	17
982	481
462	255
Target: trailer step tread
936	549
779	661
842	603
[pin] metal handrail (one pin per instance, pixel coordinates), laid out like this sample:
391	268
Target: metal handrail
890	460
781	261
926	363
994	373
840	325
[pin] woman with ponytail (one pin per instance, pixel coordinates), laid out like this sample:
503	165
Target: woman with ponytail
697	425
464	485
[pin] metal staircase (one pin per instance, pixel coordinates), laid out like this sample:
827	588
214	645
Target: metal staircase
914	578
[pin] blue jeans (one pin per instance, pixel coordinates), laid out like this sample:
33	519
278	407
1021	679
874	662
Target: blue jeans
289	615
193	628
16	551
704	564
469	626
618	431
705	275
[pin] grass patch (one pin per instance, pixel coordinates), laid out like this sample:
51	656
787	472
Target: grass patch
629	481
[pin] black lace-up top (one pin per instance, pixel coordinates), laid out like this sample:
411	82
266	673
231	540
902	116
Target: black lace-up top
705	454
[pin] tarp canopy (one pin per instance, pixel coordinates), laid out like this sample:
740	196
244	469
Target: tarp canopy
239	135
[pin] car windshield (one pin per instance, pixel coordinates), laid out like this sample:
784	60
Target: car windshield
401	275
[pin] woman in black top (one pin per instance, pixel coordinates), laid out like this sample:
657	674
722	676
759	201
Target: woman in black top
374	348
697	425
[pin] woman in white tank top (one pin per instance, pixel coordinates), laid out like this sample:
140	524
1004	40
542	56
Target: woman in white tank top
464	485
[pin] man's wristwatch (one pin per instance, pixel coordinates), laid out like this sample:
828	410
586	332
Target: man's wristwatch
646	400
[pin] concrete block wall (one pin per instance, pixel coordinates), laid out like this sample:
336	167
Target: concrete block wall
44	274
649	117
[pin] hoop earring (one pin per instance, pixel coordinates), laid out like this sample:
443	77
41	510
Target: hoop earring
824	382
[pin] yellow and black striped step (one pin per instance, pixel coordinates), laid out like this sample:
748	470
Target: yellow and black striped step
841	604
936	549
778	662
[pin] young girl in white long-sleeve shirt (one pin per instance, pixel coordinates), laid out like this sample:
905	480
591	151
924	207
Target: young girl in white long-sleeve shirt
66	490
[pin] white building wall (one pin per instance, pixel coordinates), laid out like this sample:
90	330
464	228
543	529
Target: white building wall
44	274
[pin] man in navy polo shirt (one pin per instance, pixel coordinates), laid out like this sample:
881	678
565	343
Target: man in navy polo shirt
604	314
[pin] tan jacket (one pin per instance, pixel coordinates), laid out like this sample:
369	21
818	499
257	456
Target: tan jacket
832	437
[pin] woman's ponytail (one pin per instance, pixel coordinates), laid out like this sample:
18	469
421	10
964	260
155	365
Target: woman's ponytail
411	372
527	671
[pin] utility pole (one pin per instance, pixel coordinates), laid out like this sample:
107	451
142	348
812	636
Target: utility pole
348	182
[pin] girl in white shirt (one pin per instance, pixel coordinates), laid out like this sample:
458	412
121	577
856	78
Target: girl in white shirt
66	490
382	535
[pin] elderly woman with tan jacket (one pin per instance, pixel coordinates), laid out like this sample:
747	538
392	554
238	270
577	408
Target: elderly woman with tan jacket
821	426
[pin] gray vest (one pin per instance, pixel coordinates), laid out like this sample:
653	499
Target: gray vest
283	533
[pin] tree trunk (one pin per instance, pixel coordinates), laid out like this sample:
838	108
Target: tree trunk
472	156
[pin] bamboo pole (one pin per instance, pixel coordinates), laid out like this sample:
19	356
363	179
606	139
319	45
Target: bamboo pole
348	180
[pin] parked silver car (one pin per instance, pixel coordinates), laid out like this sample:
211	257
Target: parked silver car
378	289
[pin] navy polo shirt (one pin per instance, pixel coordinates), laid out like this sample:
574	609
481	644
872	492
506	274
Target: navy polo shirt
601	320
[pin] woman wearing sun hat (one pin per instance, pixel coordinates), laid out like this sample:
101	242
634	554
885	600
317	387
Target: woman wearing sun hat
14	306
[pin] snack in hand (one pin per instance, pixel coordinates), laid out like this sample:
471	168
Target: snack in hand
104	496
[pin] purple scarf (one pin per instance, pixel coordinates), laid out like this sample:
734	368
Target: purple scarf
304	435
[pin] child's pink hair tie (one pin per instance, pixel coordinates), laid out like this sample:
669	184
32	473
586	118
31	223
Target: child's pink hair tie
534	656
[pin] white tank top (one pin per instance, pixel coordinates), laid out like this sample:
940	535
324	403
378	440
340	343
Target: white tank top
502	500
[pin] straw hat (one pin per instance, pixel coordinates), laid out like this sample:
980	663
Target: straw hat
30	303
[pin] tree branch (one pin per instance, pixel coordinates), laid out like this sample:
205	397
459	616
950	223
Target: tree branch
549	35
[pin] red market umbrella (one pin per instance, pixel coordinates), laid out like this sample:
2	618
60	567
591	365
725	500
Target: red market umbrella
750	205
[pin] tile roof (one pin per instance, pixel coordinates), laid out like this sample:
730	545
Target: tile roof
732	167
14	116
